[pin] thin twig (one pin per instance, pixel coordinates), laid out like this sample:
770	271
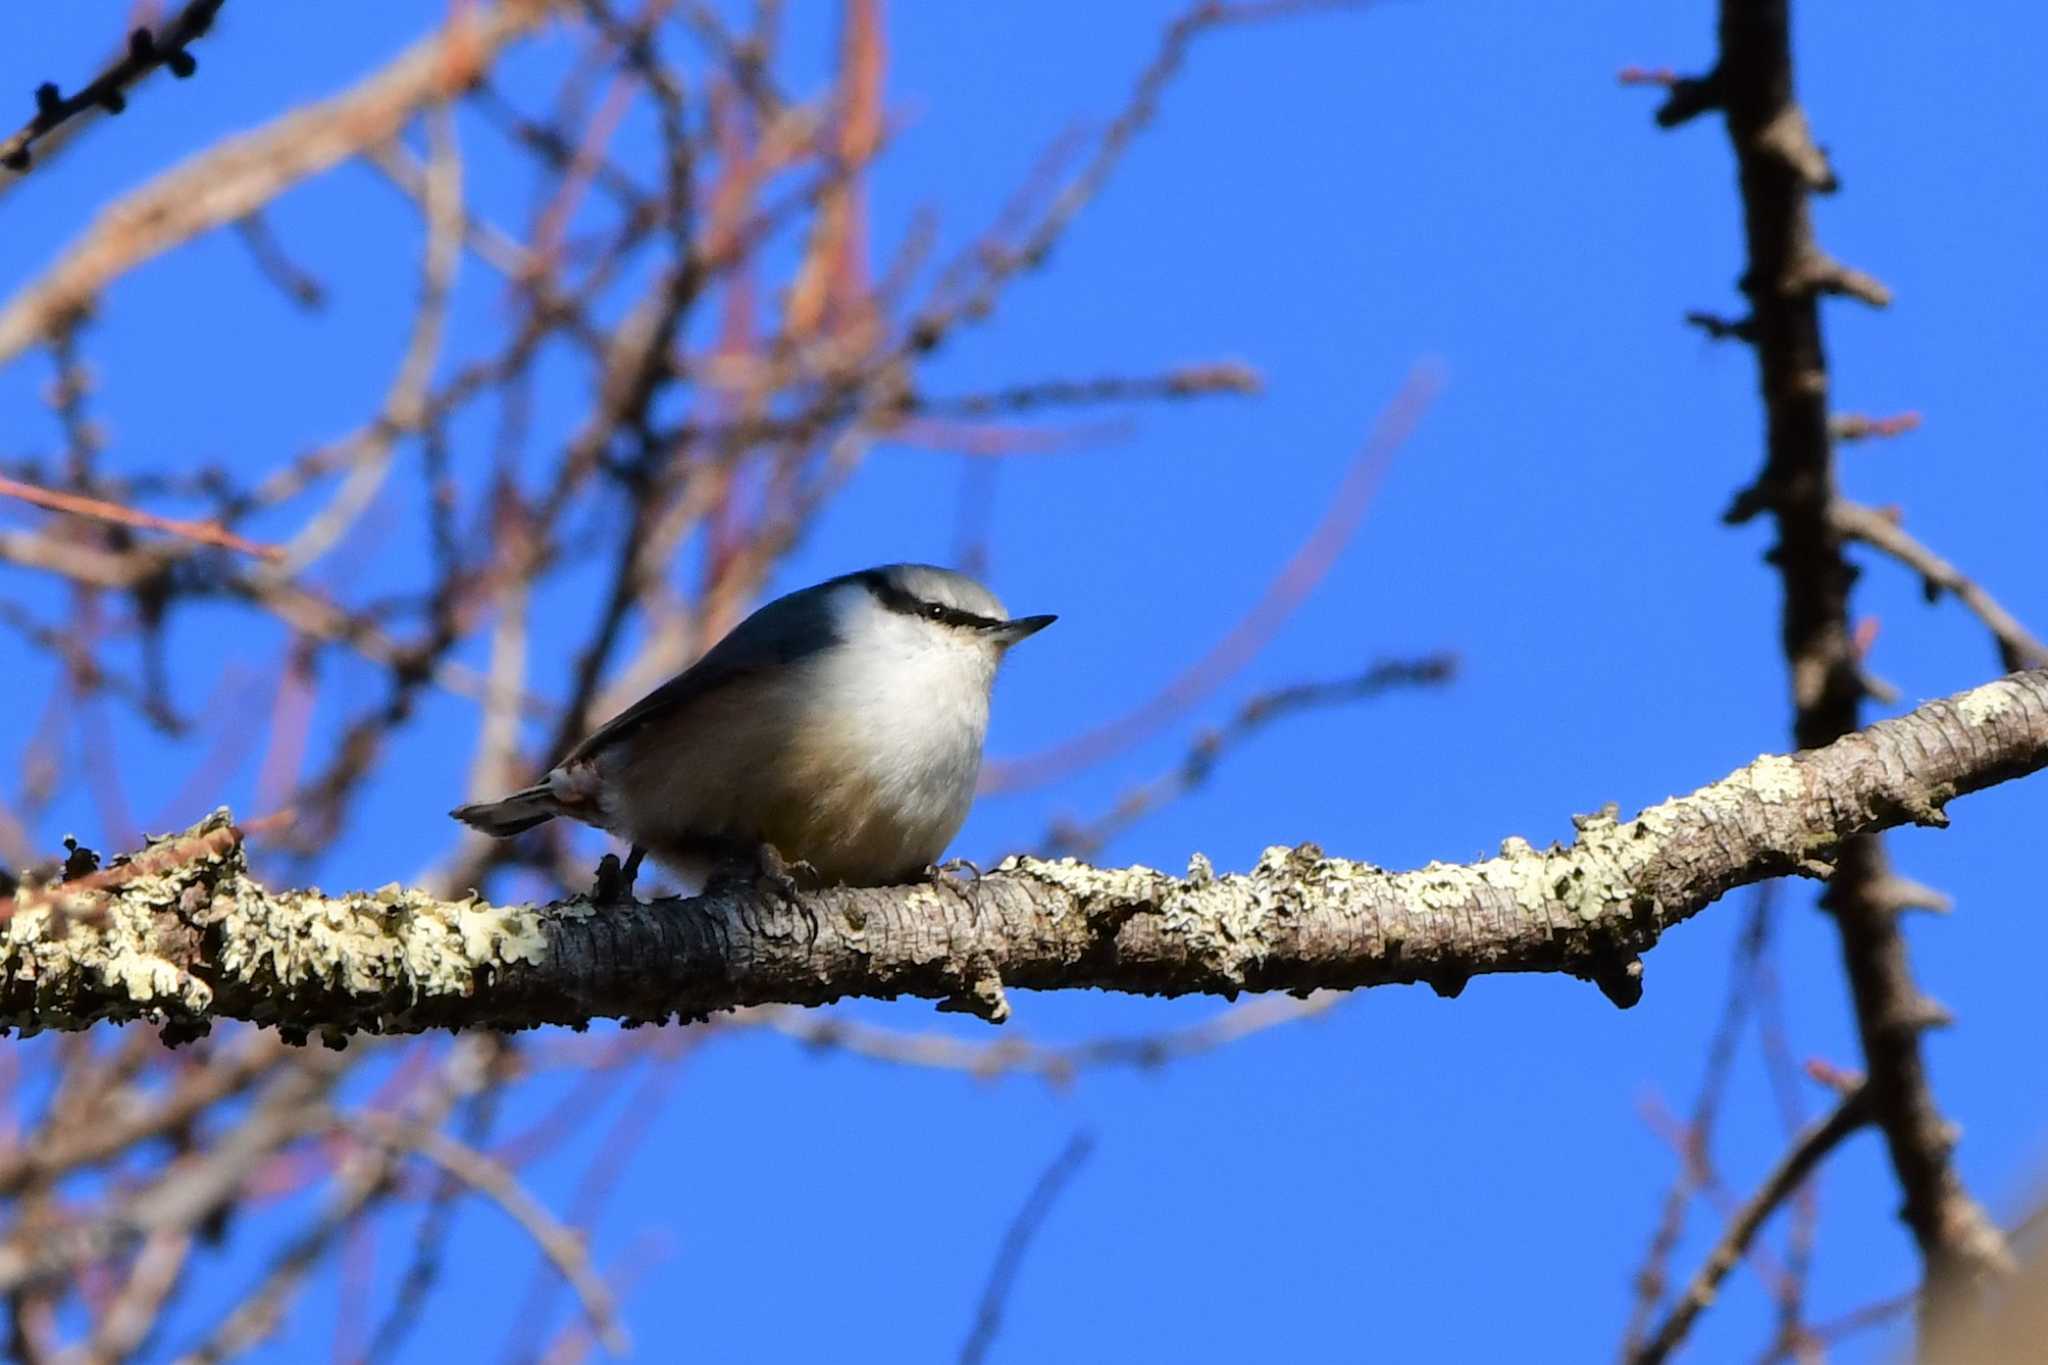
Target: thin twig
1806	1153
146	51
1695	1140
2018	647
1308	566
1054	1064
988	1318
1070	839
496	1182
78	505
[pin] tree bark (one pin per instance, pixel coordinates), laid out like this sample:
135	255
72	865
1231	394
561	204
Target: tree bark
181	934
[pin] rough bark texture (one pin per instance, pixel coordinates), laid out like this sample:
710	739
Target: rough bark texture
181	933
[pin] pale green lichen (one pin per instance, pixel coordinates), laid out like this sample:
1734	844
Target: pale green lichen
1776	779
118	936
1089	887
1980	706
118	951
130	934
1221	921
1591	879
371	943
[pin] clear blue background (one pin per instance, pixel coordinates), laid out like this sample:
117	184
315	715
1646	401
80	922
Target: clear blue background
1329	199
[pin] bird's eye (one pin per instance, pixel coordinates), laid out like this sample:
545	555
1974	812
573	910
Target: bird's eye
934	611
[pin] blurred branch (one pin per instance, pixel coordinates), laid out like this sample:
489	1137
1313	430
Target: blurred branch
270	258
182	934
1068	838
561	1244
405	404
1694	1140
988	1318
99	509
1057	1065
1185	382
1798	1163
1310	563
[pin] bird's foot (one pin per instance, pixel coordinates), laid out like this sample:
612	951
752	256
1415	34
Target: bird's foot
615	879
786	880
778	874
953	867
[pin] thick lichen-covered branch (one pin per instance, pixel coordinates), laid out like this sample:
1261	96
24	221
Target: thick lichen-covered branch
182	934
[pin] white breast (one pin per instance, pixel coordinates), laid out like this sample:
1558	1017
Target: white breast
907	703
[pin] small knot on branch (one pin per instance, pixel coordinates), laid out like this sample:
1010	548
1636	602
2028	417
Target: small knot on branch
1923	1014
1820	273
1620	979
1902	894
1926	809
1719	328
1687	97
1855	426
1789	138
1748	503
980	993
1606	817
79	861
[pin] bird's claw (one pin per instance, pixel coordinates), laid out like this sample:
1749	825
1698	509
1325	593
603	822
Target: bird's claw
767	872
785	881
614	885
953	867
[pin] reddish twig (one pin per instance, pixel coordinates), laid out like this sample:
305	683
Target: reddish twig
1854	426
78	505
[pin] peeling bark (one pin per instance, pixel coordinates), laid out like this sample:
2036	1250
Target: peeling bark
181	934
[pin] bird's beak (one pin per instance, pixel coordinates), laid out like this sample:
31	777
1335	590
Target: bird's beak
1010	632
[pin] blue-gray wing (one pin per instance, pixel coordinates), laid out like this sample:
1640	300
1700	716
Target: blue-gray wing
784	632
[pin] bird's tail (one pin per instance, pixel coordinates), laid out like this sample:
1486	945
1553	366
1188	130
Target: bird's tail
522	810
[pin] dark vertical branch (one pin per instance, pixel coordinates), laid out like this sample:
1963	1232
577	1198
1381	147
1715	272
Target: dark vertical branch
1781	167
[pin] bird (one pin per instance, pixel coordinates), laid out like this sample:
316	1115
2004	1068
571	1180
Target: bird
838	731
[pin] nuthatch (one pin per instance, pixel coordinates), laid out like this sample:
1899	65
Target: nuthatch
840	727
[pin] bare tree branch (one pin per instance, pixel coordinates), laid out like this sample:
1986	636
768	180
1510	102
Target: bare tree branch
1780	168
988	1319
182	934
146	51
2018	647
561	1244
1798	1163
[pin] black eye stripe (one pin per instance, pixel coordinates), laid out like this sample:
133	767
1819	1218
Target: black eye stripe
897	600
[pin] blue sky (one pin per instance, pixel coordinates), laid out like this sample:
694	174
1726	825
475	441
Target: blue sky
1330	200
